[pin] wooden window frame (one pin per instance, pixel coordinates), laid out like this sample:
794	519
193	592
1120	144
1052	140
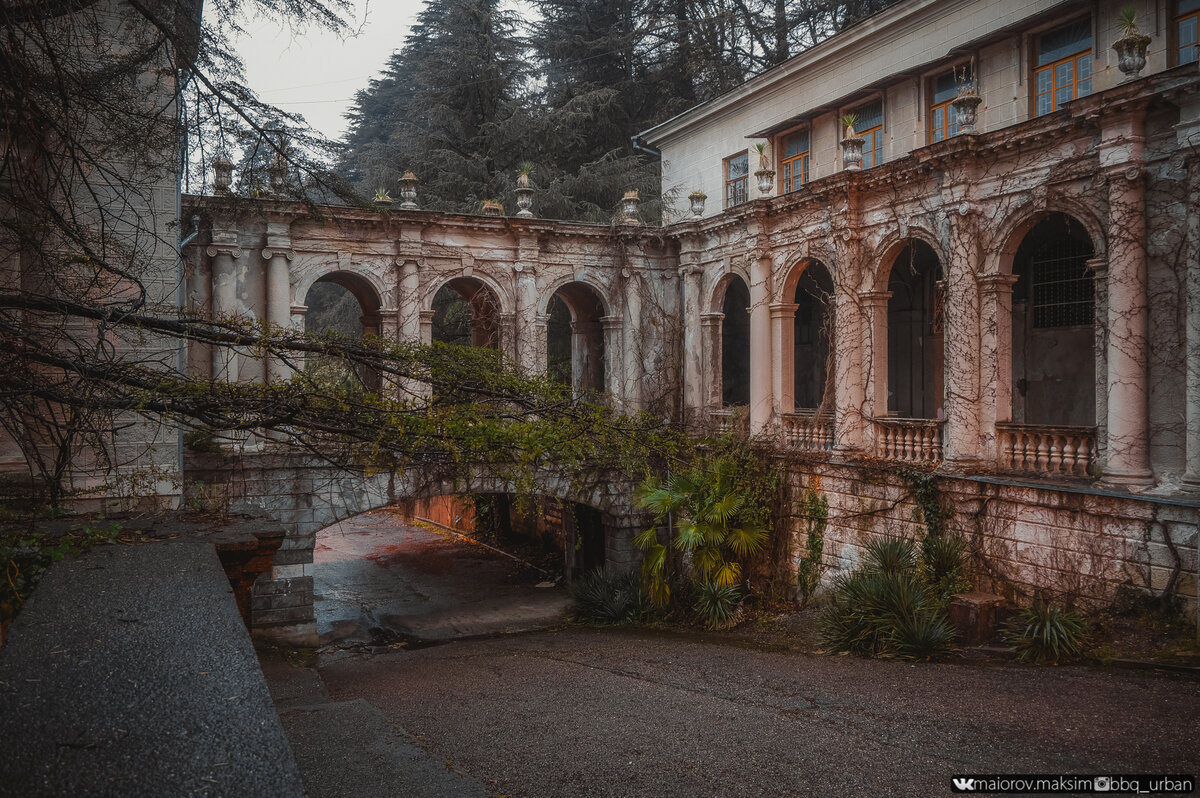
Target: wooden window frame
1052	68
803	158
1176	19
744	180
931	90
875	137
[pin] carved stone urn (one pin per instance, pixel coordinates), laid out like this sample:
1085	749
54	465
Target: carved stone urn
1131	53
966	107
697	199
408	192
852	151
629	208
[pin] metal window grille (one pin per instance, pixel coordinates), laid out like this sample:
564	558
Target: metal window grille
1061	286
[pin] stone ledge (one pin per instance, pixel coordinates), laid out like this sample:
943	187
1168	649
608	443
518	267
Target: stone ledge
129	672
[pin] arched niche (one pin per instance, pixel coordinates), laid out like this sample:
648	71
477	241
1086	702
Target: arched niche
735	342
915	333
346	305
812	334
575	347
466	312
1053	325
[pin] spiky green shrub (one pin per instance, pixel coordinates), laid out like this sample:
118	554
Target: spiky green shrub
1047	634
604	599
885	608
944	566
717	605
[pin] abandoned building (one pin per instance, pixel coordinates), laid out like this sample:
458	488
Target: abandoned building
960	237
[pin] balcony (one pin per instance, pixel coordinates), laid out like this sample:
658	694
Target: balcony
1045	450
808	430
908	440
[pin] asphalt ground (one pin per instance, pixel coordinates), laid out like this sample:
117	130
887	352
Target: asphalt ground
585	712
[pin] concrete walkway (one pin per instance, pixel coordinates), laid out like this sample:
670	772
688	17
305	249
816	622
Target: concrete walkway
130	673
377	578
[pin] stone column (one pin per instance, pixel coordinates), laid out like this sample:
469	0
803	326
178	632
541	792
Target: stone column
875	352
848	379
632	365
961	319
693	346
612	352
279	303
1127	459
995	358
507	326
200	281
710	340
529	337
783	320
1191	476
226	361
409	302
761	400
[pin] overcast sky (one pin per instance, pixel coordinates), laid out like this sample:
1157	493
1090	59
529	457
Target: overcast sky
317	74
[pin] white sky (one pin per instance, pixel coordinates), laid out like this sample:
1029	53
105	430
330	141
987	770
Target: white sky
316	74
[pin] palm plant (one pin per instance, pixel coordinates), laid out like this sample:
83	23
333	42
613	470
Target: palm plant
713	525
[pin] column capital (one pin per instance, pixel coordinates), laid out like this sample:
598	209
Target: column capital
608	322
278	251
1097	266
782	310
875	297
997	283
711	318
231	250
426	315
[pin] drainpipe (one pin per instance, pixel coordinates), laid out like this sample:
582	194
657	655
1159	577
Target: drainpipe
180	293
639	147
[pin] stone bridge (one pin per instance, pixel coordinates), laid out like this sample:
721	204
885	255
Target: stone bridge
306	495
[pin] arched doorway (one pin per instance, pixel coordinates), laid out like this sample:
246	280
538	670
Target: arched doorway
575	339
1053	326
345	305
735	343
812	331
915	334
465	312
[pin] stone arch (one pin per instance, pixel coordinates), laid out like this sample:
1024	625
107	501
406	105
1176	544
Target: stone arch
479	302
716	298
325	302
1053	355
367	283
731	347
601	291
797	261
504	302
575	342
1016	226
888	251
808	299
915	329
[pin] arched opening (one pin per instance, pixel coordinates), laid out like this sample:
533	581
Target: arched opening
465	313
575	339
450	566
345	305
812	331
915	334
735	343
1053	326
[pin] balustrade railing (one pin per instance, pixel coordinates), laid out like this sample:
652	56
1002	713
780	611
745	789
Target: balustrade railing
729	419
808	430
1046	450
908	440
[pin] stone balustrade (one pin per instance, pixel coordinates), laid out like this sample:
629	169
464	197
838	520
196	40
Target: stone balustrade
908	440
809	430
1046	450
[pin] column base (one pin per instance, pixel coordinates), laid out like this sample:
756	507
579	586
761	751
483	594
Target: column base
1144	479
1190	482
963	465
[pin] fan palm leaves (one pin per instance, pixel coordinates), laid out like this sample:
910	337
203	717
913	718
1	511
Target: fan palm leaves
713	526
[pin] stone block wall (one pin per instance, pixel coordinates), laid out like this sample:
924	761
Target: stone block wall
1025	539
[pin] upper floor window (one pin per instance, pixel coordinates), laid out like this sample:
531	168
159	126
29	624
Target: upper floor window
943	122
868	123
793	164
1187	28
1064	66
737	171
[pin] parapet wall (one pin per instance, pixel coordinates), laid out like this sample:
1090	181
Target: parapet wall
1026	539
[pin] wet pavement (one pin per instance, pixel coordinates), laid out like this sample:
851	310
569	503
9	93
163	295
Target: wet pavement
378	580
583	712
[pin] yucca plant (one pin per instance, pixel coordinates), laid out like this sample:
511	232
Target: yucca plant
717	605
890	555
1044	633
602	599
